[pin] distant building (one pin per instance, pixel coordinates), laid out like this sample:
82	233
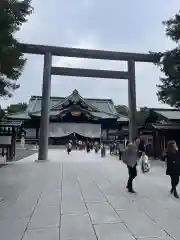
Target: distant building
160	126
73	117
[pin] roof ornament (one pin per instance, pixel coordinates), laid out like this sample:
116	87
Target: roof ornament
163	122
75	96
75	92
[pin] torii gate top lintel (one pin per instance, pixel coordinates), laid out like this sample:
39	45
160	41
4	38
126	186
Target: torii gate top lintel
85	53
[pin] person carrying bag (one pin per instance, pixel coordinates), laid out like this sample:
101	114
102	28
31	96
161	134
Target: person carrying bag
130	158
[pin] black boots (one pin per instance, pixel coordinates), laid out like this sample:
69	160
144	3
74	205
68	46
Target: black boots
130	190
174	192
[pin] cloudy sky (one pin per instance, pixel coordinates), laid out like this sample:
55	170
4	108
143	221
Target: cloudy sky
121	25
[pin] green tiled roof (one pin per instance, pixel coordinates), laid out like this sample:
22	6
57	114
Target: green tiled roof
20	116
103	105
123	119
170	114
101	108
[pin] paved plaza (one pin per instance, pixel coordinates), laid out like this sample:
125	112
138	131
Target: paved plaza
83	197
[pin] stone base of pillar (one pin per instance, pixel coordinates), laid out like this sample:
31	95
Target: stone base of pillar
41	160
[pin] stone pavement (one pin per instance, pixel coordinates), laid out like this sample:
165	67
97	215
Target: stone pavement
83	197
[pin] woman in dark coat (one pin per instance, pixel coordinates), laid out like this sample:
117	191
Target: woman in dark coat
141	147
173	166
88	147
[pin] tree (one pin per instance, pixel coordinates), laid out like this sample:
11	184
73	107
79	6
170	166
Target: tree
169	63
141	115
16	108
13	13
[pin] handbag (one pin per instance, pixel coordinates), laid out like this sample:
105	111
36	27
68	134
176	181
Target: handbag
145	165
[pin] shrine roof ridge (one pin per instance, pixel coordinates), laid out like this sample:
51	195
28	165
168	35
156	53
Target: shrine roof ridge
34	97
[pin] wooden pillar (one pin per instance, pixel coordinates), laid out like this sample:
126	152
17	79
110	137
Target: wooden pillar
8	153
44	122
132	100
15	147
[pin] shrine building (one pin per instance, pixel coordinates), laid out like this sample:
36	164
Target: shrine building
74	117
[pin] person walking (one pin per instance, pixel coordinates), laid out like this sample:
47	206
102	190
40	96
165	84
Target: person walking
111	148
103	150
96	147
120	149
130	158
69	147
173	166
88	147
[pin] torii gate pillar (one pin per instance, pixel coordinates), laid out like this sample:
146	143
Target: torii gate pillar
45	103
132	100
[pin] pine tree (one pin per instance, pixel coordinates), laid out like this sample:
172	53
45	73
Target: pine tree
13	13
169	62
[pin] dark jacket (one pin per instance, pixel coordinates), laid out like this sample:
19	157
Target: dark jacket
142	147
173	163
130	156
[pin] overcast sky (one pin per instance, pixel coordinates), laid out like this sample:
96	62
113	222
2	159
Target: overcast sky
121	25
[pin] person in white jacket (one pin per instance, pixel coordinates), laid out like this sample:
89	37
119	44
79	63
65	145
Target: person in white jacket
69	147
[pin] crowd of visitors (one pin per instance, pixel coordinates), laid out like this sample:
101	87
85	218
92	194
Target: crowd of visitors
88	145
133	154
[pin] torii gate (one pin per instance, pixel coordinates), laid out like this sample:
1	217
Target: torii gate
49	51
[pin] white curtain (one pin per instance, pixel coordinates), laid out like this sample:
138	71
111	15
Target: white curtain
83	129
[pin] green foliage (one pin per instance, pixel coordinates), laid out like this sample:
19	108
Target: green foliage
173	27
141	115
169	63
13	14
16	108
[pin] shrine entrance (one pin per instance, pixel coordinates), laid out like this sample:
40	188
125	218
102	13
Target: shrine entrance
49	51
